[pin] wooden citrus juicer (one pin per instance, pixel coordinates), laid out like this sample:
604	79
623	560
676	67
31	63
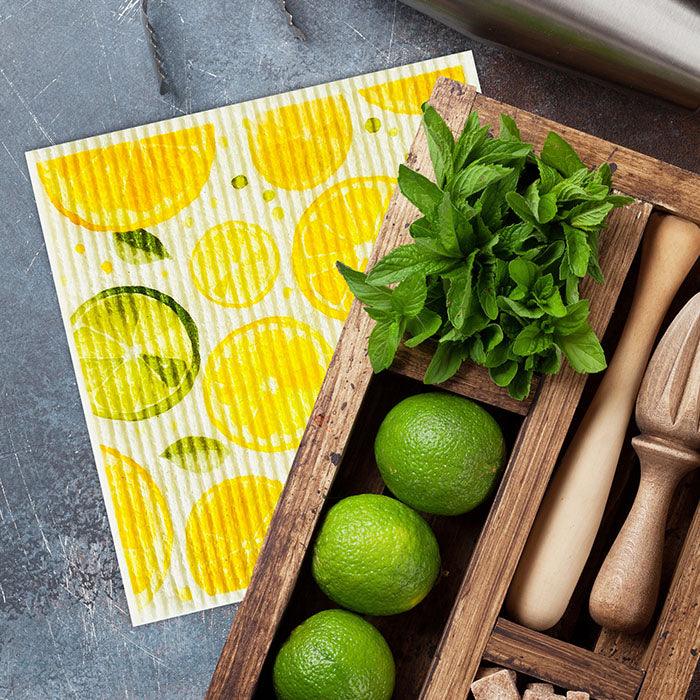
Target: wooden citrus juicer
668	414
569	517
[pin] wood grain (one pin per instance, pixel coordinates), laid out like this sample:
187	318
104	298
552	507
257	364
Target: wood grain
672	656
471	380
568	666
322	446
532	461
667	187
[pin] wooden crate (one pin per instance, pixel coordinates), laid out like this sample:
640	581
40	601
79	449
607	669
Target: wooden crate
439	645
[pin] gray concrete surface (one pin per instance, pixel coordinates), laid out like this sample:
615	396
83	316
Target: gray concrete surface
72	68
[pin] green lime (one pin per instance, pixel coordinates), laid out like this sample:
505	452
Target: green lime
334	655
439	453
138	351
375	555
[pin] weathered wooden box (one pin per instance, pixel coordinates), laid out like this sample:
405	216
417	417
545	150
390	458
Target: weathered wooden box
439	645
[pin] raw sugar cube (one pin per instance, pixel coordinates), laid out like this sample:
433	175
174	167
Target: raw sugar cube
496	686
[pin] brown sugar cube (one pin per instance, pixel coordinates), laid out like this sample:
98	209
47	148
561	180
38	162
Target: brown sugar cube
541	695
544	689
485	671
497	686
577	695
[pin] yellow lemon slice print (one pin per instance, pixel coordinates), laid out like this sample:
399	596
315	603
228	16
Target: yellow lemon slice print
143	521
138	352
261	381
235	264
225	531
340	224
406	95
299	146
131	185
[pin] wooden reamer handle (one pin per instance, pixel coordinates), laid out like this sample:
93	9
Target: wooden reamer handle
625	592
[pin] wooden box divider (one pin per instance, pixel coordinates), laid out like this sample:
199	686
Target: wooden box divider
565	665
438	652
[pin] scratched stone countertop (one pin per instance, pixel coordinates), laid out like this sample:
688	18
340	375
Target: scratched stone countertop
75	68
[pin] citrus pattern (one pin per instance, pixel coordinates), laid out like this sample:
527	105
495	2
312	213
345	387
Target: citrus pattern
341	224
261	381
406	95
130	185
299	146
143	521
235	264
138	352
225	531
217	238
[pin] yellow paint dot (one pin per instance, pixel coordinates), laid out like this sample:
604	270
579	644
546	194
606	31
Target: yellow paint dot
107	266
214	202
224	142
239	182
269	195
164	273
278	213
394	131
373	125
189	222
184	594
80	248
63	280
287	291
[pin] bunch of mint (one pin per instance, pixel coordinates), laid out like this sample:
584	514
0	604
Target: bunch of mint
493	272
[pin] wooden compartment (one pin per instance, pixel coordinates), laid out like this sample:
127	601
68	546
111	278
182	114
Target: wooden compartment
439	645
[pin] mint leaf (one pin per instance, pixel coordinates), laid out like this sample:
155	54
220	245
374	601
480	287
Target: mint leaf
459	292
575	319
519	387
511	239
407	260
619	200
509	129
590	215
491	336
383	343
445	216
520	206
421	327
440	144
557	153
475	178
531	340
502	152
421	192
523	272
550	361
445	362
549	177
577	250
378	298
408	297
486	289
504	373
469	140
547	208
583	351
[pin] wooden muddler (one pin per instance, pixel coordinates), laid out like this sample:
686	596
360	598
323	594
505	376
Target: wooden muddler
624	594
571	511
